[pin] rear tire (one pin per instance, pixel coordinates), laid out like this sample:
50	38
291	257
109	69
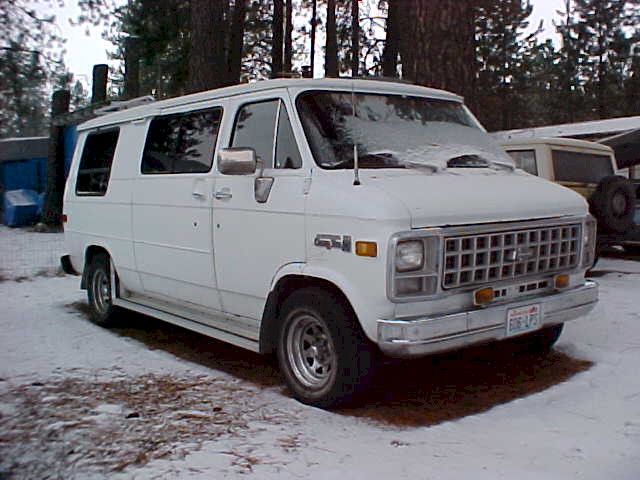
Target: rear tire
323	354
101	309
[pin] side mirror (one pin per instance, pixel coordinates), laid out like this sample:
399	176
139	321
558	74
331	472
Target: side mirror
237	161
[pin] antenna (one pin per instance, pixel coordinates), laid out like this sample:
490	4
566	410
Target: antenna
356	173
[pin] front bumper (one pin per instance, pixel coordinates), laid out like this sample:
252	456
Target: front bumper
421	336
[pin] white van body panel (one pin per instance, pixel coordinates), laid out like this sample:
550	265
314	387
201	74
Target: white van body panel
105	221
252	239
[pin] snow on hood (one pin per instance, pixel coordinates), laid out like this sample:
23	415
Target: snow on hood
468	196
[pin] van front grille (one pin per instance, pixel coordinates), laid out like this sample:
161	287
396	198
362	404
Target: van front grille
495	256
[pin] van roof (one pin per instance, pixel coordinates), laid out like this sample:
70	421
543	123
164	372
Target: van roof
553	141
156	108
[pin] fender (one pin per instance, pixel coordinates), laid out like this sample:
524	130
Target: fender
85	249
320	272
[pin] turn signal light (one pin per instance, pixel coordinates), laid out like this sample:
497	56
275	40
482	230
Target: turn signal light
482	296
561	281
367	249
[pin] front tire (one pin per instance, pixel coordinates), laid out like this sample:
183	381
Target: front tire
101	309
323	353
541	341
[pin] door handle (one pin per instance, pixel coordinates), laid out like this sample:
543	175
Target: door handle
197	195
223	194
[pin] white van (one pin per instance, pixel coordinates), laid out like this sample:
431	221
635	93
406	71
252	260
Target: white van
327	221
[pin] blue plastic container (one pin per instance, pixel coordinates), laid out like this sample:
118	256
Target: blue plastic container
20	208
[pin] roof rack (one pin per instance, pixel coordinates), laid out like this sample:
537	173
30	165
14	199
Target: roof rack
117	105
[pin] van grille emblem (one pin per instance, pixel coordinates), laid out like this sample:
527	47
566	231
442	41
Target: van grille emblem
520	254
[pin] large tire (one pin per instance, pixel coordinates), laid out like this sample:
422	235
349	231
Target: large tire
323	354
613	204
101	309
540	341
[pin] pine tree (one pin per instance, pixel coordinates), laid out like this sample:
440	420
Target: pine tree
568	92
604	53
501	52
277	38
437	44
30	64
331	51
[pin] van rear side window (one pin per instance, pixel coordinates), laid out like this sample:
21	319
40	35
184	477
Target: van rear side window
181	143
95	163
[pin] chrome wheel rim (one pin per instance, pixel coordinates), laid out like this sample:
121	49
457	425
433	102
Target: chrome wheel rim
101	291
310	352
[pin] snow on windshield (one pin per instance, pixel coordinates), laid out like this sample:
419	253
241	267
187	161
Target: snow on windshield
391	131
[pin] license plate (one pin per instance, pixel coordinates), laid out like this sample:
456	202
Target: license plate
523	319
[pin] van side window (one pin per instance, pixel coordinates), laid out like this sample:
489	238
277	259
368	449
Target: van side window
181	143
287	153
95	163
525	159
256	128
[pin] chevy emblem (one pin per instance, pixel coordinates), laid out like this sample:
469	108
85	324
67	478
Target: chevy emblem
520	254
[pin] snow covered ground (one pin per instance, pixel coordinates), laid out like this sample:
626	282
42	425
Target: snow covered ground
149	400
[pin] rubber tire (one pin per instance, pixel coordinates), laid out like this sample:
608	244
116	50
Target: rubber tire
603	205
97	269
632	250
355	354
540	341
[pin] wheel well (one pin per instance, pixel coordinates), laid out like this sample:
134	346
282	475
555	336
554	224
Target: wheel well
91	252
286	286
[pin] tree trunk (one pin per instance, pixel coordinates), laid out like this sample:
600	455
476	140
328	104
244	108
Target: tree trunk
437	44
314	23
236	42
331	54
288	33
132	67
207	62
355	38
99	83
390	52
276	47
52	208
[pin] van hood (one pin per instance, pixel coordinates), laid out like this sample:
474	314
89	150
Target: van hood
476	195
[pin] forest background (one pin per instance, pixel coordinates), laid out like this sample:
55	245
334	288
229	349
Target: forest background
481	49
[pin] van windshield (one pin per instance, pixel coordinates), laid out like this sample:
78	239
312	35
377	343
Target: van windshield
393	131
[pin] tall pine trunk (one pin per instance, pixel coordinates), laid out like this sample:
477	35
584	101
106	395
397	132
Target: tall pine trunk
331	54
355	38
390	52
236	42
276	47
288	33
207	62
314	24
437	44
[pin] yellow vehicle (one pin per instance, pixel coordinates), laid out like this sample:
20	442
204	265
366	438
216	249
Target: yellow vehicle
588	168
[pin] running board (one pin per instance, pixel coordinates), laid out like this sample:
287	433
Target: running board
189	324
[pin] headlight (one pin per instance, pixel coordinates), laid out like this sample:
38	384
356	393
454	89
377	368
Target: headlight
409	256
414	264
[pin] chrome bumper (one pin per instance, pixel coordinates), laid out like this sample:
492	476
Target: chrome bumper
426	335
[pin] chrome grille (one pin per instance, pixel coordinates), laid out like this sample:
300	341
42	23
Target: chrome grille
495	256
